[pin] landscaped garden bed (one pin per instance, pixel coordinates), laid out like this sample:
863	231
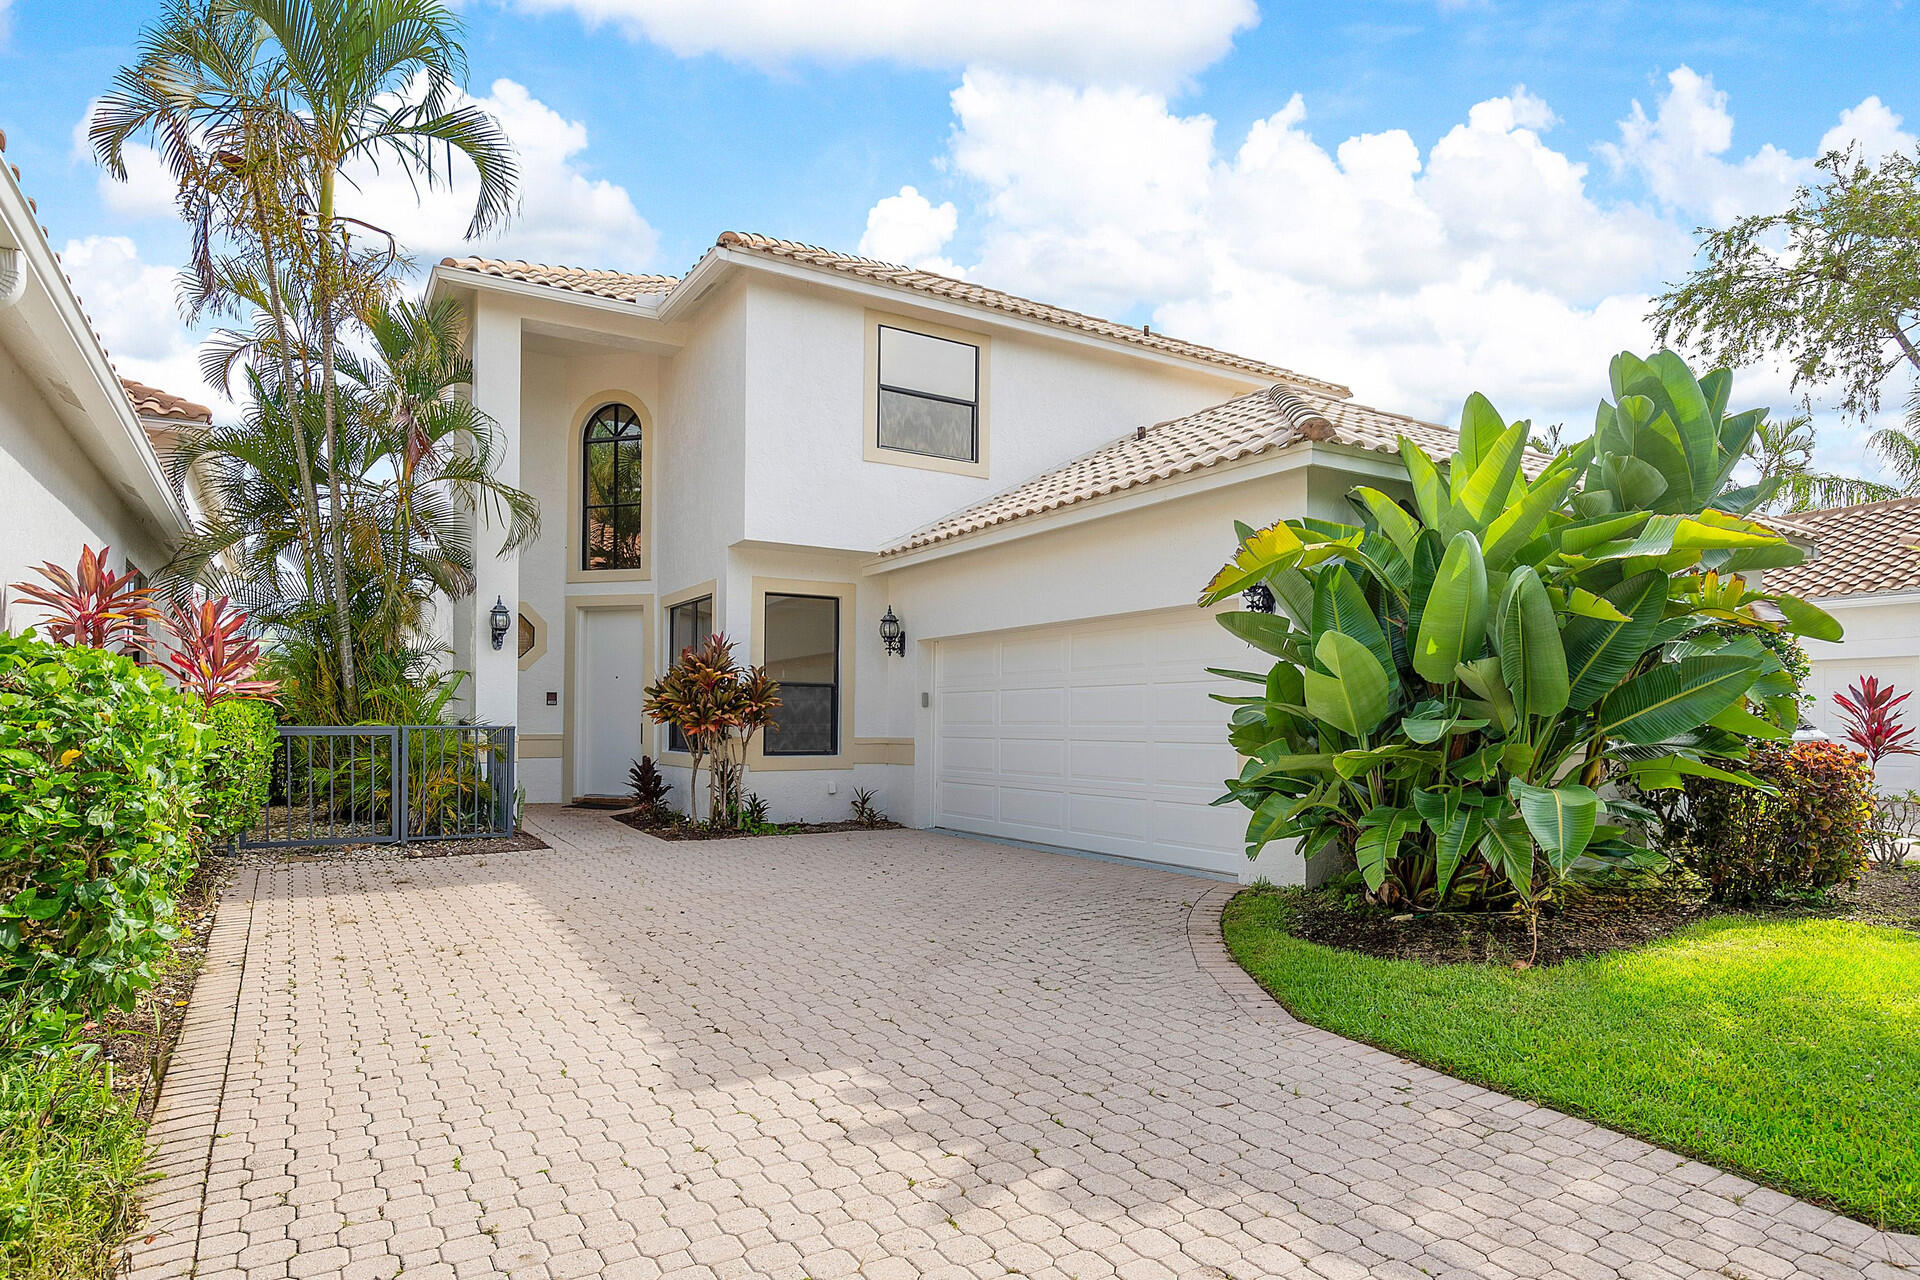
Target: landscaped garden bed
1782	1043
682	829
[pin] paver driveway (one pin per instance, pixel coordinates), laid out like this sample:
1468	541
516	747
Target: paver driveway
883	1053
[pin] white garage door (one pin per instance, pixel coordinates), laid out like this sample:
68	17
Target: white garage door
1094	736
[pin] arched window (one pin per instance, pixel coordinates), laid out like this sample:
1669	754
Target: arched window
610	478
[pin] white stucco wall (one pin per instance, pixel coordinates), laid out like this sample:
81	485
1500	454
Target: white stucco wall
1882	640
1048	400
53	498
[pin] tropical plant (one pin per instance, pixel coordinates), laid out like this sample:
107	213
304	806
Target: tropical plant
718	706
213	657
1782	453
1458	687
648	789
259	109
1807	830
1870	712
93	606
866	810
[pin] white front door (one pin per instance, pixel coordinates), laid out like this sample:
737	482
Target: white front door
1095	736
609	727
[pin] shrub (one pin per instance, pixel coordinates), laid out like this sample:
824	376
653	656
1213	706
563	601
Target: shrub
649	790
99	782
719	706
866	810
1810	831
236	773
1463	685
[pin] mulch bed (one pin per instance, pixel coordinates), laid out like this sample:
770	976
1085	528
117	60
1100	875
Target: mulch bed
697	831
139	1042
1591	924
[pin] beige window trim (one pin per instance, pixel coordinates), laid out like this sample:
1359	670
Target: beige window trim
576	505
871	449
757	759
711	587
540	632
576	605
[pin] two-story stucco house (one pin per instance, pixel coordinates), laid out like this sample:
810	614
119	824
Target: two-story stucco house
786	443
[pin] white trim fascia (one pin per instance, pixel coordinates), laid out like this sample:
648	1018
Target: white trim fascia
1859	599
80	340
1258	466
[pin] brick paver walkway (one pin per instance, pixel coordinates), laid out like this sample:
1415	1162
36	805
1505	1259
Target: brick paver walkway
884	1054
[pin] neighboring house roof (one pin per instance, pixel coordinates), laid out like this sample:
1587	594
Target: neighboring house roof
1261	422
623	287
1871	547
151	402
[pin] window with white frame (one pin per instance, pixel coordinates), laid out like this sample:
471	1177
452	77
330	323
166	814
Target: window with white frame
929	395
689	623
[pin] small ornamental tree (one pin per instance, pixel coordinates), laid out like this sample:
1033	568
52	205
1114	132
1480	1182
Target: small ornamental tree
1459	687
718	706
1870	711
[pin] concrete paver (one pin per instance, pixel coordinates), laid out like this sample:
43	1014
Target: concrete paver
877	1054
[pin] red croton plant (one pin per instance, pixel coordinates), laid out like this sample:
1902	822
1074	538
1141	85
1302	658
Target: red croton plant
212	656
1871	713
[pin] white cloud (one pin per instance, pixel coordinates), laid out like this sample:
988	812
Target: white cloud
133	307
1151	43
1873	126
908	228
1679	153
565	216
149	189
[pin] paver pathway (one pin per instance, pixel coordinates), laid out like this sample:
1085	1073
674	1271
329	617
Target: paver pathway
884	1053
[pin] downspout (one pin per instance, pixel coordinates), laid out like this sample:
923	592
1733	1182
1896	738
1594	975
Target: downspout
13	277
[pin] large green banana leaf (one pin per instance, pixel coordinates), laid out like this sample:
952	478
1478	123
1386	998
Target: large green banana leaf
1532	660
1351	693
1675	697
1453	624
1601	652
1561	818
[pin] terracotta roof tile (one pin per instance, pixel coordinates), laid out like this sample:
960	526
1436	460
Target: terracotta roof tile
1864	548
1275	418
629	288
151	402
621	286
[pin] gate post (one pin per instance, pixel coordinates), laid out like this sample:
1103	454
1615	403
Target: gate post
402	801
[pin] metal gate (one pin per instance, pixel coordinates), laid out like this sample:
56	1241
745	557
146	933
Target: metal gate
387	784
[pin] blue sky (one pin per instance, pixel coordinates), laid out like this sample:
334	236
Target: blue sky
1418	198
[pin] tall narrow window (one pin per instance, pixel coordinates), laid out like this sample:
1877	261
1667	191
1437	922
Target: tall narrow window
689	623
929	395
802	648
610	479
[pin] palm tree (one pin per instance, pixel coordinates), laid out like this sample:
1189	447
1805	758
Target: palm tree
1782	449
309	89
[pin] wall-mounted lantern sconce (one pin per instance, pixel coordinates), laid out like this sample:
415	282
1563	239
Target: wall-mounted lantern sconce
1259	598
499	620
892	634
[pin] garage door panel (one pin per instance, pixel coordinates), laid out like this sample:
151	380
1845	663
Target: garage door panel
1033	706
1026	758
1103	738
1110	704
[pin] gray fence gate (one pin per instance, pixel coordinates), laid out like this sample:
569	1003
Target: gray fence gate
387	784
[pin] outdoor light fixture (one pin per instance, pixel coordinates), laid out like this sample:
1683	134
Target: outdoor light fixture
1259	598
500	620
892	634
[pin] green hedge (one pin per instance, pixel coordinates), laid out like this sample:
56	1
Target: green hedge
237	772
100	782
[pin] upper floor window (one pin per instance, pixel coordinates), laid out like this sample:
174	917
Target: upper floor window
610	477
929	395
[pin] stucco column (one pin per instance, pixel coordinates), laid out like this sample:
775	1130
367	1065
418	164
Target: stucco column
496	391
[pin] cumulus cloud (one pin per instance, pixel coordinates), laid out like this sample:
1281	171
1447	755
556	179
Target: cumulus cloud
908	228
565	215
1150	43
149	189
132	304
1490	260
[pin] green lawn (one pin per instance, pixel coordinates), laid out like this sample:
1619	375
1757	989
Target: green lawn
1786	1050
